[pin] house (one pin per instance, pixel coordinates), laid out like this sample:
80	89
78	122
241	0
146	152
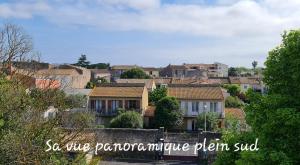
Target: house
213	70
152	72
106	99
173	71
69	76
117	70
29	81
100	73
149	83
197	99
246	83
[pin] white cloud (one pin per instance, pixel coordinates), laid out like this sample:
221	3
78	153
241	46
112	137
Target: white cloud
256	24
23	9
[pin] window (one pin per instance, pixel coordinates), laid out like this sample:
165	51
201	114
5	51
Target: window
213	107
195	106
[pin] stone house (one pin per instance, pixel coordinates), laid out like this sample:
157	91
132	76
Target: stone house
152	72
106	99
149	83
117	70
246	83
197	99
69	76
213	70
101	73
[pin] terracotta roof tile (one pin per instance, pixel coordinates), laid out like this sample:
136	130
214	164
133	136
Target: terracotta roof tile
117	91
197	92
235	112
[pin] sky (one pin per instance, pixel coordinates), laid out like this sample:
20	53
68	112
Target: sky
154	32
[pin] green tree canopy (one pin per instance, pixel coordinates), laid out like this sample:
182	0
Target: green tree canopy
275	118
157	94
135	73
233	102
167	113
211	121
128	119
233	89
233	72
282	73
82	61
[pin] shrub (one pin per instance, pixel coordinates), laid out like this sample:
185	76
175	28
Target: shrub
129	119
233	102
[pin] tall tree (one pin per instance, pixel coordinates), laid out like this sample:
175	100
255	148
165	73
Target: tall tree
233	72
82	61
275	118
157	94
167	113
254	64
15	45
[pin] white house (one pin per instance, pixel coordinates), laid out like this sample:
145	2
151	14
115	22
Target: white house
197	99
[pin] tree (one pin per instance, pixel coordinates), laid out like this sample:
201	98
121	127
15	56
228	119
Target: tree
282	68
94	83
274	118
129	119
233	72
135	73
98	66
23	130
15	45
167	113
254	64
211	121
233	102
232	89
157	94
82	61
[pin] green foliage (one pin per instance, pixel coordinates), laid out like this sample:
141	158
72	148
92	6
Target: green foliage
80	120
232	157
76	101
232	89
157	94
24	130
98	66
135	73
167	113
233	102
94	83
211	121
129	119
282	68
82	61
233	72
254	64
274	118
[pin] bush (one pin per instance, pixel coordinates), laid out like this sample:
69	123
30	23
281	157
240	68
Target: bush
129	119
233	102
232	89
211	121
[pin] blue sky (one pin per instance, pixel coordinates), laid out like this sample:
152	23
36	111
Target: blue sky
154	32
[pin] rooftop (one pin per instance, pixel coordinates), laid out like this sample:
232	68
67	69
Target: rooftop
196	92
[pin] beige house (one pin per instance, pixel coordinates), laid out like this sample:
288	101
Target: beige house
152	72
69	76
246	83
106	99
197	99
149	83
